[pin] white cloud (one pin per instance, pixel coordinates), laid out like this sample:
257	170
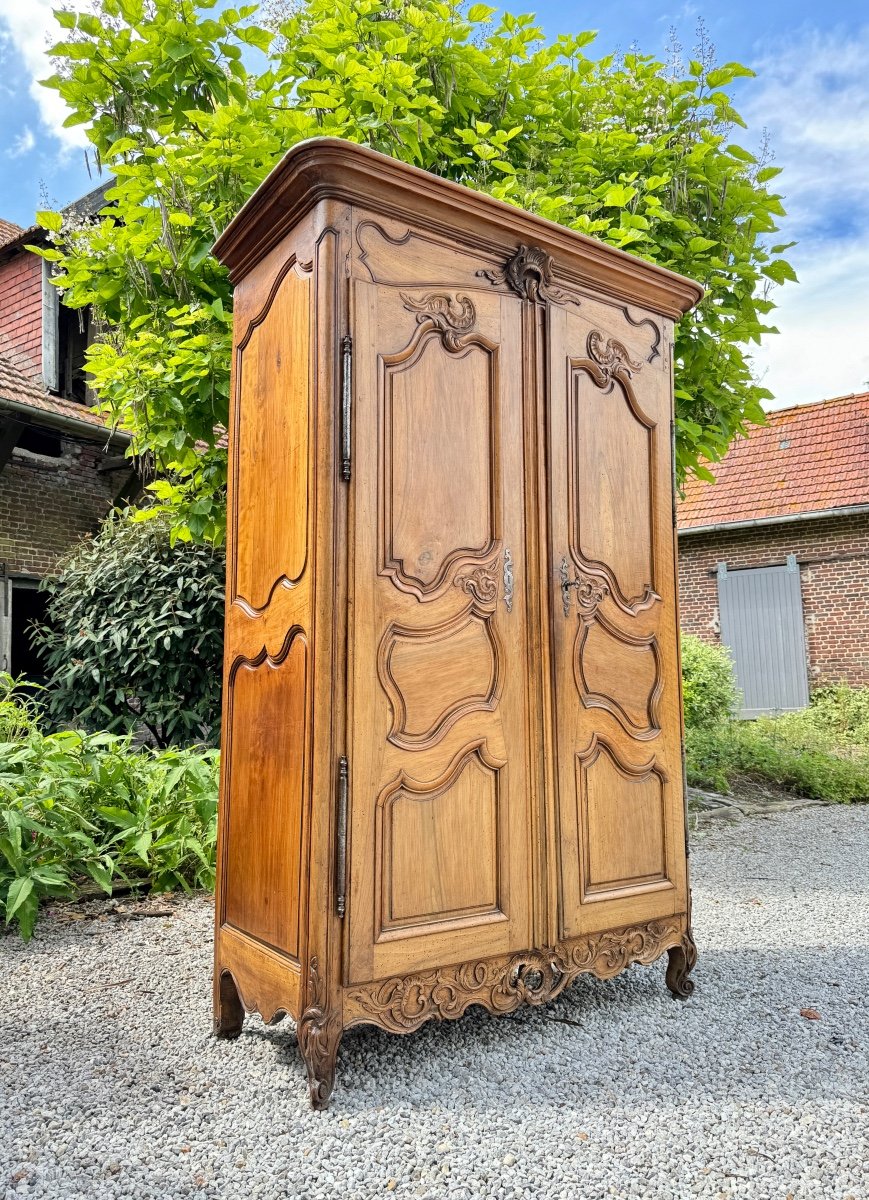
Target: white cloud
813	96
32	30
22	144
823	347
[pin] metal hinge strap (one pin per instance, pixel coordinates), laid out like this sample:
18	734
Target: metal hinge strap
341	864
346	402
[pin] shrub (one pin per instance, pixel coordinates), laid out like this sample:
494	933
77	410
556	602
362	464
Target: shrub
76	807
708	687
821	753
838	714
134	634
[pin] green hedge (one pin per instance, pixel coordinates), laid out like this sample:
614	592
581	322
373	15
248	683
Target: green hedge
821	752
77	807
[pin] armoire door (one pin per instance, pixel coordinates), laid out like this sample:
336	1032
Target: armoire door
439	830
620	818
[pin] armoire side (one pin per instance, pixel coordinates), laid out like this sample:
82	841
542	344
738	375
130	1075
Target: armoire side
452	764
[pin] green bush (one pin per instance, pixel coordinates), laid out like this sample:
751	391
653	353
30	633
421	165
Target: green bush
76	807
708	687
134	634
838	715
821	752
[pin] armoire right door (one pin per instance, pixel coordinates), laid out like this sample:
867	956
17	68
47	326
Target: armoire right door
616	700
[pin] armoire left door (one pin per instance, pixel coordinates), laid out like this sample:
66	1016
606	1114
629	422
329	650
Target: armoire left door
438	710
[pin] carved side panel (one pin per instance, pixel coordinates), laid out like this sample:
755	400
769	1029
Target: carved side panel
428	834
620	673
270	444
439	457
435	675
267	747
611	455
622	823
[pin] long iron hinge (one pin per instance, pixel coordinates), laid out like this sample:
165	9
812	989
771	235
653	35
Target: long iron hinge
346	402
341	864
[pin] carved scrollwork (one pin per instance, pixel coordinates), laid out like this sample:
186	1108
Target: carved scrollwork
590	594
500	984
503	984
529	273
481	583
611	356
453	316
318	1032
607	954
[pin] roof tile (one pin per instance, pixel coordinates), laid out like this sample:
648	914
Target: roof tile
825	465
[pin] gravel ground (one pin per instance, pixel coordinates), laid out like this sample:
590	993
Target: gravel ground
110	1085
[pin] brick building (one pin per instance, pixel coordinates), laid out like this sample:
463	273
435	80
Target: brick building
774	556
60	468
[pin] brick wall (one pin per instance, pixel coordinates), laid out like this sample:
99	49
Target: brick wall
47	504
21	306
833	558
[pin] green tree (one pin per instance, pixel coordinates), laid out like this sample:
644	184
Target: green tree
189	108
134	634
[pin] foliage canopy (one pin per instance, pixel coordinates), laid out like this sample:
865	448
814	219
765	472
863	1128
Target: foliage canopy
189	108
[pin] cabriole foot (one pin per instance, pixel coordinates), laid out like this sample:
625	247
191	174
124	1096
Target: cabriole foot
228	1008
681	962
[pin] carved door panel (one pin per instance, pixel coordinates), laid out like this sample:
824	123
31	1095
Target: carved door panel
439	819
620	820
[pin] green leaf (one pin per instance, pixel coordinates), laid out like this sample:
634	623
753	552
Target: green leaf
19	890
118	816
52	221
780	271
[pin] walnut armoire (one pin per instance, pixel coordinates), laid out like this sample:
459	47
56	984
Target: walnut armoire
452	740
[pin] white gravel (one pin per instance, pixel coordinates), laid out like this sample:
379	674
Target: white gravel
111	1086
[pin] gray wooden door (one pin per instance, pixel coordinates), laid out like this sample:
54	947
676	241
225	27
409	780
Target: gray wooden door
761	611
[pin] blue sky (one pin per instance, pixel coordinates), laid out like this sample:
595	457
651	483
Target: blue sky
812	94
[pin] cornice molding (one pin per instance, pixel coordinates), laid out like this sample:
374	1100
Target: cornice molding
330	168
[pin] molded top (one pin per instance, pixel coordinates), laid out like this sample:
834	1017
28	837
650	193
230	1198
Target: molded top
331	168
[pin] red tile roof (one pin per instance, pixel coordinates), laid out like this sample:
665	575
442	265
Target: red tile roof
807	459
18	388
9	232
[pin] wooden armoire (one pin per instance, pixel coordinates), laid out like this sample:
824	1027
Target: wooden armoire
452	739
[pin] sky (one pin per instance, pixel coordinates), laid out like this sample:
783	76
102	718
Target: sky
811	94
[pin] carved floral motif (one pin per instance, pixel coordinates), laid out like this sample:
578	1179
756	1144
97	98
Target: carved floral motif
451	315
502	984
318	1032
481	583
611	356
529	273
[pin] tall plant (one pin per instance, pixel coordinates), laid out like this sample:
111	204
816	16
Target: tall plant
189	108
